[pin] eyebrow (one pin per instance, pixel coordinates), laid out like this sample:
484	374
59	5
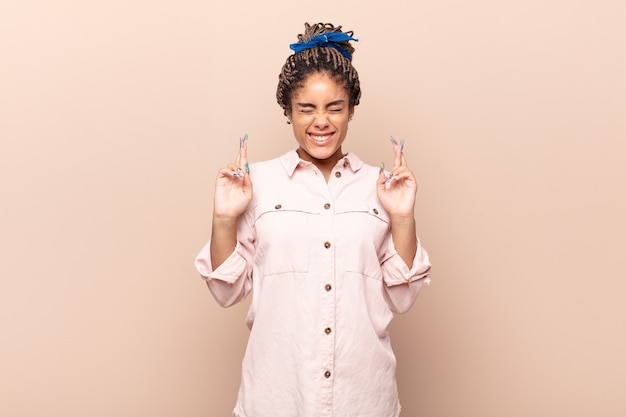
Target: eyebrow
332	103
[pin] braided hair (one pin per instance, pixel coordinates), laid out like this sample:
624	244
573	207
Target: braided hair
330	61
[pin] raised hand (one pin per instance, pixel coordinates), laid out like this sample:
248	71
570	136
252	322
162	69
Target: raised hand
397	190
396	193
233	194
233	188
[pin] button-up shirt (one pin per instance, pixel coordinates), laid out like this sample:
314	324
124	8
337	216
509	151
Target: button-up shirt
325	279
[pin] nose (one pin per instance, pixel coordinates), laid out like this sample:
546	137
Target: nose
321	119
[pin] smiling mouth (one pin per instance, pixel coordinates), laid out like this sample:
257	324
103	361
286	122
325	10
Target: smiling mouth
320	138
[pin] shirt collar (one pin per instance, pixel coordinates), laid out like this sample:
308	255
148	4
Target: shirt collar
291	160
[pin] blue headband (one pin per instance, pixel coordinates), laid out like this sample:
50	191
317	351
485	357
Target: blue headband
327	39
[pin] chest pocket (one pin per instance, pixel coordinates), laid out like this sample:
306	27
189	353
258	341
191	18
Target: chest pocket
284	229
364	227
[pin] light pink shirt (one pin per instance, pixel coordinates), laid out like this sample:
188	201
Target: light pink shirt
325	281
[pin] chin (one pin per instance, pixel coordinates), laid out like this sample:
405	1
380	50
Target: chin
324	154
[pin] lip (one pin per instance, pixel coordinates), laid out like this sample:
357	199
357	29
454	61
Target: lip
314	137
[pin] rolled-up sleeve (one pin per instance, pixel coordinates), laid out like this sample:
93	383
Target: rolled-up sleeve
231	282
228	283
402	285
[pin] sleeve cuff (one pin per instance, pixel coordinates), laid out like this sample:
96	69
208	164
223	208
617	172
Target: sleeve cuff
229	271
397	272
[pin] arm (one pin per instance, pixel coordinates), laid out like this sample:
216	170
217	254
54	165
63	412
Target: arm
408	266
231	281
404	238
223	240
396	193
223	261
401	283
233	194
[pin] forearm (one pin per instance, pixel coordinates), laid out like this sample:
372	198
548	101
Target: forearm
223	240
404	238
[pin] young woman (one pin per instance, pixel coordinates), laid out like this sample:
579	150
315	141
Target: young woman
326	244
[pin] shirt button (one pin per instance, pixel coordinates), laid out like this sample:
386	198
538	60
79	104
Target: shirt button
278	206
328	287
327	374
326	206
328	330
327	245
338	174
375	211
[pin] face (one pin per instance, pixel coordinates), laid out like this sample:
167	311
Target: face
320	112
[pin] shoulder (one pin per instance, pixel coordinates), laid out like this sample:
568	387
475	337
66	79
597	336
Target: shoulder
271	176
361	168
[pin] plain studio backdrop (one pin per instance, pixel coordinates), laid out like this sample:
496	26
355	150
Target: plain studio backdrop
115	116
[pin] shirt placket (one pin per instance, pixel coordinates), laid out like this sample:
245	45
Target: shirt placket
327	288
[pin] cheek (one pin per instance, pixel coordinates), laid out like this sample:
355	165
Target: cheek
301	122
341	122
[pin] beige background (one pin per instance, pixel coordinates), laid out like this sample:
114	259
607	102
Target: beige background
115	115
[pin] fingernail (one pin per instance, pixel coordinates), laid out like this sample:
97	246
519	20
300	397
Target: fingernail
389	181
247	168
401	145
393	140
382	168
238	173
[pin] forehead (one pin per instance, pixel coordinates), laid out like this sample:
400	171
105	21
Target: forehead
319	87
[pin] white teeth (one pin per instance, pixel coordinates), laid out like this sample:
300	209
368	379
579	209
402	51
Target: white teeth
320	138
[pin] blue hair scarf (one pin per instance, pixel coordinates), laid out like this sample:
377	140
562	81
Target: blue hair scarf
327	39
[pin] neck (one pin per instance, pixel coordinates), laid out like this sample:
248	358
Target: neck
324	165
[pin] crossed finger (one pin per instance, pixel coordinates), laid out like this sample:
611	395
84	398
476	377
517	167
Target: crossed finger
242	158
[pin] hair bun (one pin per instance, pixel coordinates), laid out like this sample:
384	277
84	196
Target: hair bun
311	31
